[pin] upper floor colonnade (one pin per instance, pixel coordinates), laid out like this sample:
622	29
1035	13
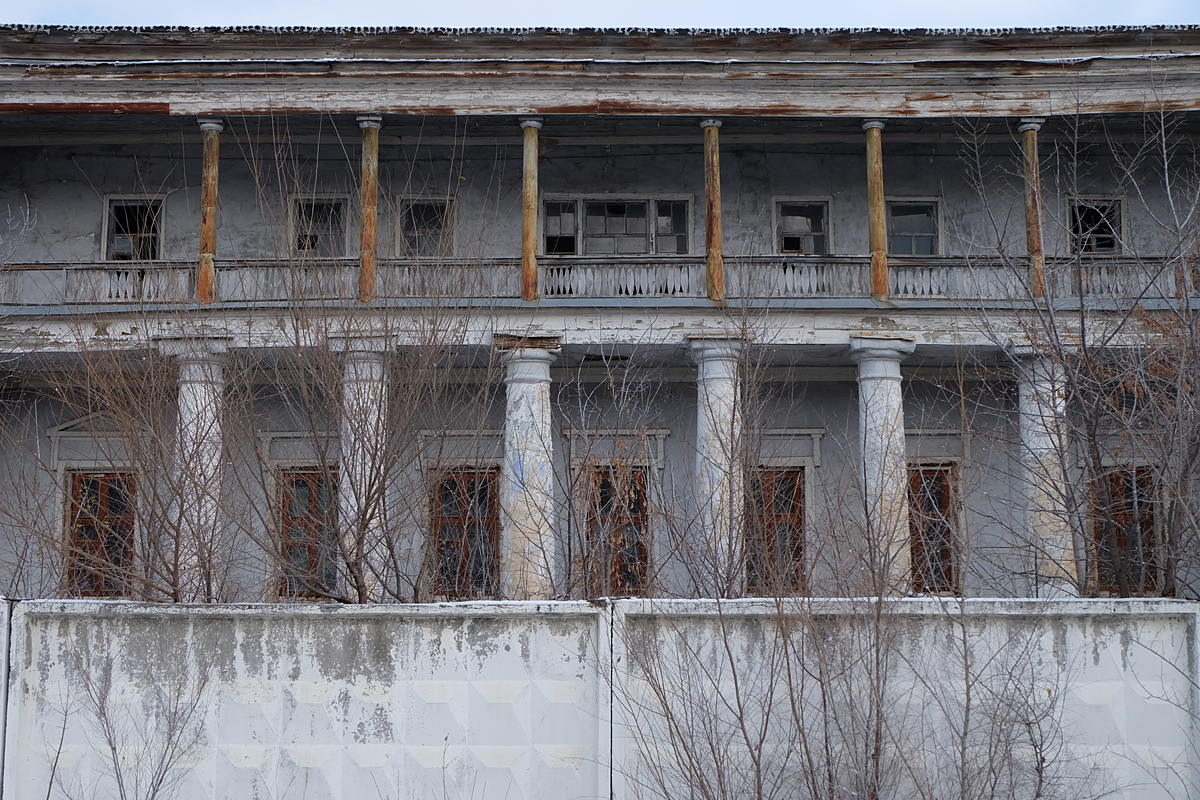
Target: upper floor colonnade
588	211
552	232
528	495
259	96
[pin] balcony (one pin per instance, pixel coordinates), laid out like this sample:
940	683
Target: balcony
804	281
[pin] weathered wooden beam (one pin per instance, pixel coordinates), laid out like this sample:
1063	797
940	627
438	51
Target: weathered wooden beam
876	209
1028	129
455	79
714	271
370	124
206	274
529	210
55	44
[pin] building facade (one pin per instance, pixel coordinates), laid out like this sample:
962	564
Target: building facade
403	315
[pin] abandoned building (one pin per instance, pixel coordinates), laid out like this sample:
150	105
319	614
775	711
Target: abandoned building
739	324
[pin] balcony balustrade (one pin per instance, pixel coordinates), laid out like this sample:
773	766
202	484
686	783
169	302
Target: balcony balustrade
946	281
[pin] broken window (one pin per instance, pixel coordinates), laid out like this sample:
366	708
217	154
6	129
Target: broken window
320	228
425	228
802	228
308	534
775	532
932	530
1095	225
671	229
133	230
616	553
912	229
1123	530
616	227
560	228
466	527
100	539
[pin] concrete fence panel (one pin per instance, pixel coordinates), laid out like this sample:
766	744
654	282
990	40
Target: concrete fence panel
630	699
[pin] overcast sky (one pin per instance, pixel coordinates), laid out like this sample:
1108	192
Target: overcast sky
614	13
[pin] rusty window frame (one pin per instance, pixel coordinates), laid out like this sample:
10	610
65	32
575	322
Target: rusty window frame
617	552
933	529
100	534
308	557
466	503
775	511
1135	494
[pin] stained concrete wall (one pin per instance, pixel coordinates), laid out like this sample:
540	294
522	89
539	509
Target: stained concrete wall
463	701
530	700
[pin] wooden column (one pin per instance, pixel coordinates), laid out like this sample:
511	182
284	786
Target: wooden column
714	271
876	209
206	275
529	210
370	124
1028	129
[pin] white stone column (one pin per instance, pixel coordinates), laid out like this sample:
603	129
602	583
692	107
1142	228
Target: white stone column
199	464
527	480
884	457
1041	406
362	479
718	480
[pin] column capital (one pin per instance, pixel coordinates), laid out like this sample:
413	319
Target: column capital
531	122
1030	124
876	124
710	122
211	124
369	121
714	348
883	348
878	357
528	365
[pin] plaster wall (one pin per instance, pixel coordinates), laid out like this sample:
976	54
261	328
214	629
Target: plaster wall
65	188
638	416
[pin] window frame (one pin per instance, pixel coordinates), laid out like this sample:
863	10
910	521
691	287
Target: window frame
581	198
590	478
592	449
801	200
782	451
281	471
495	533
1094	545
1120	232
915	200
455	450
795	583
293	219
954	518
130	199
405	201
71	473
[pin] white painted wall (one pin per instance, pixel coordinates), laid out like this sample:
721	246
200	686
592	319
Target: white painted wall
513	700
